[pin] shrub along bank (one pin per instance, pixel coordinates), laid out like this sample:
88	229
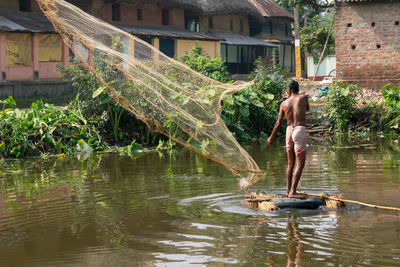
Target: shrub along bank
344	114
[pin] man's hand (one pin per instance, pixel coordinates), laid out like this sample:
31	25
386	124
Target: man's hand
270	141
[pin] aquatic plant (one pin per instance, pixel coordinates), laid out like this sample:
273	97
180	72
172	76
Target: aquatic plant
44	129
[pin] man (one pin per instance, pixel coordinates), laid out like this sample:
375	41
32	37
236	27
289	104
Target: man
294	108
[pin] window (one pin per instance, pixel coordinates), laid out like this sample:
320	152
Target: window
25	5
396	23
241	25
167	46
378	46
210	22
231	25
268	27
373	24
349	25
353	47
116	12
139	14
286	29
192	22
165	17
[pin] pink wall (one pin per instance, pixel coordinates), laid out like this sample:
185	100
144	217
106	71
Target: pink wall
47	70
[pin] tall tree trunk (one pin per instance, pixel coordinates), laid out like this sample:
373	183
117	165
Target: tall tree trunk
323	51
305	53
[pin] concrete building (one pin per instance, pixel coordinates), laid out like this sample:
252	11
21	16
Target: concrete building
368	42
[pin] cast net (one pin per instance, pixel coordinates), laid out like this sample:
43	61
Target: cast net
169	97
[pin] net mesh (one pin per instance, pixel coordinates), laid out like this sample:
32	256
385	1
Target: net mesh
169	97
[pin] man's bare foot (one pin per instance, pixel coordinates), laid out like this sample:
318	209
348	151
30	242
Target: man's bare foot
297	195
287	194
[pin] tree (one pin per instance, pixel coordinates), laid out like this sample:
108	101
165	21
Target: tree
314	4
314	37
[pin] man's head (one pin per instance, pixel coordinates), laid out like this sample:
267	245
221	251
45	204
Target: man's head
293	87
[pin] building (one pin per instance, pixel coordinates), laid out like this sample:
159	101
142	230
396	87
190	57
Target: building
220	27
277	29
368	42
30	49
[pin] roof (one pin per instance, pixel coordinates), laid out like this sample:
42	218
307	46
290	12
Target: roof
205	7
167	32
269	8
17	22
237	39
276	41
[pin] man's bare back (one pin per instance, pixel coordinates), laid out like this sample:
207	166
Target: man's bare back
295	108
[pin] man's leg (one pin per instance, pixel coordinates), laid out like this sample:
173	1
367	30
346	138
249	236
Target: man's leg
289	171
296	177
300	148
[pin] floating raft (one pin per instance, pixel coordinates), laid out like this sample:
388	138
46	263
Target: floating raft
276	202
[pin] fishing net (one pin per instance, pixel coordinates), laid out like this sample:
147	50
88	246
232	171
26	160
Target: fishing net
169	97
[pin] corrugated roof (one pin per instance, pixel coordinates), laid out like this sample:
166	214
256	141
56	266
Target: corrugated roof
237	39
269	8
167	32
17	22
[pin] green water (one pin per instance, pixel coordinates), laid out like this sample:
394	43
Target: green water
178	209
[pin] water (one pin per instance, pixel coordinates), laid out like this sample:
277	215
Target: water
178	209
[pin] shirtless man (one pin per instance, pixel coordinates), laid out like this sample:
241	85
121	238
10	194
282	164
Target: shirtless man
294	108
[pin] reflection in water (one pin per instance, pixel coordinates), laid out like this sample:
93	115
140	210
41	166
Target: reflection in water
176	208
295	247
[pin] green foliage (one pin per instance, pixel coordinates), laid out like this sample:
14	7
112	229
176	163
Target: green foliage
314	36
43	129
115	125
341	104
391	117
198	60
251	113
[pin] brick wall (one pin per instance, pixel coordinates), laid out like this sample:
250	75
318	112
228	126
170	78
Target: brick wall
368	43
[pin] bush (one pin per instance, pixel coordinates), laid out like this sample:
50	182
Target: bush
391	117
113	123
341	104
214	68
251	113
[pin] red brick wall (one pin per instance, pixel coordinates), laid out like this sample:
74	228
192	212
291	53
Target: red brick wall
358	57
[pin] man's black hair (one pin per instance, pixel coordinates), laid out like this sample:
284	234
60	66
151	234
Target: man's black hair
293	86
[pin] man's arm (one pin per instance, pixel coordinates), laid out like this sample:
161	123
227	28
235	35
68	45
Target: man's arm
277	125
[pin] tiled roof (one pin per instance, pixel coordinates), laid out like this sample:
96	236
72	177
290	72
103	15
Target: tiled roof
269	8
